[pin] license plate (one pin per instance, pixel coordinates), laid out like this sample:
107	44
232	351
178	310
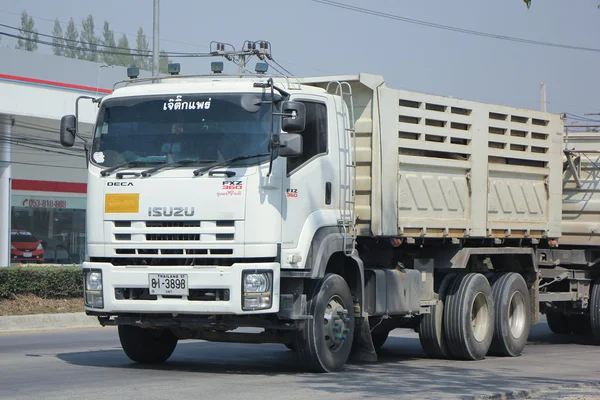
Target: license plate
28	254
168	284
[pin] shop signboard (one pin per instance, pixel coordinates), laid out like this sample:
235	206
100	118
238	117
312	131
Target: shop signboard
49	202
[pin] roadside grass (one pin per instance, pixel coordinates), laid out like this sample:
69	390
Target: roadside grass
25	304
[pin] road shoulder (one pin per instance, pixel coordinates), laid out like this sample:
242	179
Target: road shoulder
36	322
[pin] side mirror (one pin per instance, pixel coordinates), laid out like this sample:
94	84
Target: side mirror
67	130
293	116
290	145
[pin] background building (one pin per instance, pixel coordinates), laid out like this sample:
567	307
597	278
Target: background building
43	185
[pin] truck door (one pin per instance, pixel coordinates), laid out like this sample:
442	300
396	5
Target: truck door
309	183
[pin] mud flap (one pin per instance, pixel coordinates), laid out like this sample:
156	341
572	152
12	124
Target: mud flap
362	346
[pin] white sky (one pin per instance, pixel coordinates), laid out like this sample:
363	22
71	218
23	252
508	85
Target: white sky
314	39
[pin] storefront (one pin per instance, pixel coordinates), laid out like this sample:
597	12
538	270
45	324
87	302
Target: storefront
43	184
53	213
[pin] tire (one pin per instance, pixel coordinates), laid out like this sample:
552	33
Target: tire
291	346
595	310
558	322
147	346
379	340
469	317
325	341
512	311
431	328
580	324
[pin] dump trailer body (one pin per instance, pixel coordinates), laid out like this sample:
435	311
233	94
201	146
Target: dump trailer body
581	190
440	167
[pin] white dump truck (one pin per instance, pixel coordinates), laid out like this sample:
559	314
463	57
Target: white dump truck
329	211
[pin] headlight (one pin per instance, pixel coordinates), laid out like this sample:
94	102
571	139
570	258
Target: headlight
257	287
93	289
93	281
12	247
257	283
39	247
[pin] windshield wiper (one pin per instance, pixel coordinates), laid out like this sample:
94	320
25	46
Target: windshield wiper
202	170
177	163
126	164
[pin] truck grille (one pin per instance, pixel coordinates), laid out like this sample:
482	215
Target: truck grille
174	231
175	242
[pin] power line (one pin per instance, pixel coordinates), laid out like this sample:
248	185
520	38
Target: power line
451	28
64	46
40	165
124	33
131	52
283	68
69	40
580	118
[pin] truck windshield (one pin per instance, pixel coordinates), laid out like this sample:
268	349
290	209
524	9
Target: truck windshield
166	128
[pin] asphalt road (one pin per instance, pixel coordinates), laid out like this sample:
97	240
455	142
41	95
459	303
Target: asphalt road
90	364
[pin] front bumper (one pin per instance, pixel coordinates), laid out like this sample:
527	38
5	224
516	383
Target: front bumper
34	256
199	277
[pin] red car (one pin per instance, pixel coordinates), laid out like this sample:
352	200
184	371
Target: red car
25	247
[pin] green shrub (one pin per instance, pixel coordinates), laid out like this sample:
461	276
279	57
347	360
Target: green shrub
45	282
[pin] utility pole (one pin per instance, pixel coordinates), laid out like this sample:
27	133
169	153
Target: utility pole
155	42
543	96
6	124
241	64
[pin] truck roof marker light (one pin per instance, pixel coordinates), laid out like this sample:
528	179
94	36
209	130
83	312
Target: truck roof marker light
216	67
261	67
174	68
133	72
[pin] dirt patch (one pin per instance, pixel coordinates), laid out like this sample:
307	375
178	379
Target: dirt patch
25	304
582	392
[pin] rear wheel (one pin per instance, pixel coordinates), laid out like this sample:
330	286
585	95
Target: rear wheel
512	315
325	341
291	345
431	329
469	317
580	324
558	322
147	346
595	310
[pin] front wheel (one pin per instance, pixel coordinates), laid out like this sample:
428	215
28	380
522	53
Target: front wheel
325	341
147	346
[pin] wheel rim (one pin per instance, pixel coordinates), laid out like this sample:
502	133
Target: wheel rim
516	314
335	324
480	317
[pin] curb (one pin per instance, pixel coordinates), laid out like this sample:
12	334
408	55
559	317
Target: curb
23	323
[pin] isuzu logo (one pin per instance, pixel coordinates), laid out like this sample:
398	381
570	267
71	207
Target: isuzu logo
170	211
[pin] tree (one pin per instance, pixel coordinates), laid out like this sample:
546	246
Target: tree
164	62
108	43
143	62
57	39
29	33
89	41
127	59
71	38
